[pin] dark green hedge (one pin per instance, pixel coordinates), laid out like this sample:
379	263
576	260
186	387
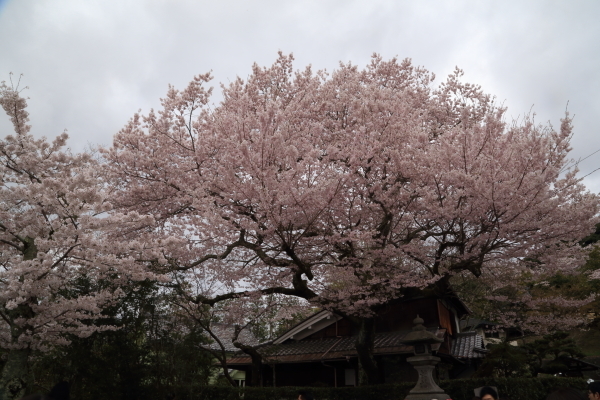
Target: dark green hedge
458	389
380	392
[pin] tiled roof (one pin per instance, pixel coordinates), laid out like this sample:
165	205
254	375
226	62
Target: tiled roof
225	333
331	348
468	345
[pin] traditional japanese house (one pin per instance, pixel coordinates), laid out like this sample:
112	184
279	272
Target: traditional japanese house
320	351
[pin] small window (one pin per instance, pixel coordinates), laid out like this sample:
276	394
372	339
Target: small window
350	377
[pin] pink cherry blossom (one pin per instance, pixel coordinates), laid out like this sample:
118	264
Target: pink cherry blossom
346	188
55	238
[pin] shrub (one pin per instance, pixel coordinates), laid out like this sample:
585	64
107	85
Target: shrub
458	389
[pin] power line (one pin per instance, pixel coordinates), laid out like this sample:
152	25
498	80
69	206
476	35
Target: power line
592	171
585	158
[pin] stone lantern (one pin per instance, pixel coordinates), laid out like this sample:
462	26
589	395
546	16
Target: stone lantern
424	362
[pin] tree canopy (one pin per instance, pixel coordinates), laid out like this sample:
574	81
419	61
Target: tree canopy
346	188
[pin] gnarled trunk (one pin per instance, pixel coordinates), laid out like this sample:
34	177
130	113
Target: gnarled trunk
368	370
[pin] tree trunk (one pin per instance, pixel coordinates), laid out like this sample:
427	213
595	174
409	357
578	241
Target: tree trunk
256	363
256	371
368	370
15	379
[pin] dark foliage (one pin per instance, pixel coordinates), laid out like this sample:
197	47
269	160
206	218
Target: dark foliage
592	238
459	389
545	354
151	356
504	360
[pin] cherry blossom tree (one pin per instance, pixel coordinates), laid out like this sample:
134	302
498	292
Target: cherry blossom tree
54	234
347	188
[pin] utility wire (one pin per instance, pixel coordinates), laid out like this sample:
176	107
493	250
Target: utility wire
585	158
590	172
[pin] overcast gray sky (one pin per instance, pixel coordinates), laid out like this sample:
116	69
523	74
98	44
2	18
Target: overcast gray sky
90	64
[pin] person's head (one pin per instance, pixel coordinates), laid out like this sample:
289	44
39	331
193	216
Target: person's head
305	395
594	390
488	393
566	394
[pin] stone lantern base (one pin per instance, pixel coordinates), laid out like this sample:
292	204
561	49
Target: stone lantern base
426	388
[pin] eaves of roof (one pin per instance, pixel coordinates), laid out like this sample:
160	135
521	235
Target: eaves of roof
330	349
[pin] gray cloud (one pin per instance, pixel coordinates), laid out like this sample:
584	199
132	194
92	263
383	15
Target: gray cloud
90	65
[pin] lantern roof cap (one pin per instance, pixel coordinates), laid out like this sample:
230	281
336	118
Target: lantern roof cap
420	335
